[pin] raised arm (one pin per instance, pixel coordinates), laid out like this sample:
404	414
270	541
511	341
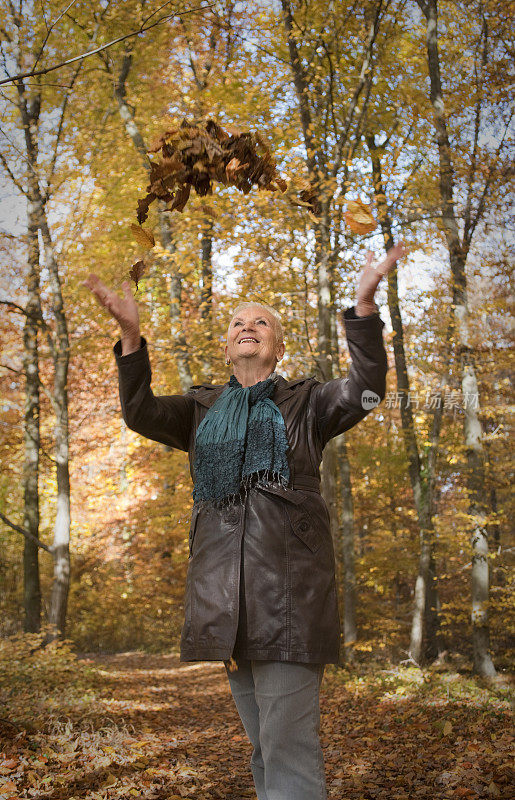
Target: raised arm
339	404
165	418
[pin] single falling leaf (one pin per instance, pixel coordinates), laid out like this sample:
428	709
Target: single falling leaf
233	167
359	217
143	206
281	183
309	198
181	198
143	237
208	210
136	272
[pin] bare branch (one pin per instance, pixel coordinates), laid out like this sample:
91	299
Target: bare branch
477	122
38	316
13	305
21	154
49	31
469	232
365	75
64	104
28	535
11	369
142	29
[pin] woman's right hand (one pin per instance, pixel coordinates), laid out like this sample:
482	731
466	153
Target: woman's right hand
123	309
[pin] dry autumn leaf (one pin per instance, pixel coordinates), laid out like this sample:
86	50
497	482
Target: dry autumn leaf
307	198
359	217
143	237
136	272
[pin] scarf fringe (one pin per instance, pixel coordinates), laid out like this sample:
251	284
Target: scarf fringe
259	480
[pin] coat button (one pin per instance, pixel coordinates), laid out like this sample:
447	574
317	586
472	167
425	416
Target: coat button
303	525
232	516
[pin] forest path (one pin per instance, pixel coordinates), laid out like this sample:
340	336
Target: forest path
155	728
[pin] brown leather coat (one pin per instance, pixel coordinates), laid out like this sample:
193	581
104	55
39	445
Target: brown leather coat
262	575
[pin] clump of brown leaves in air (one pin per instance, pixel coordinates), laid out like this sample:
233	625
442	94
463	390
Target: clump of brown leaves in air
194	156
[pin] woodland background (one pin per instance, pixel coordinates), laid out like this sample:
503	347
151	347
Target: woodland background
368	100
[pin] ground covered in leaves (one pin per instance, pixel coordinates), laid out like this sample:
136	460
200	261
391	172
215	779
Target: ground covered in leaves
147	726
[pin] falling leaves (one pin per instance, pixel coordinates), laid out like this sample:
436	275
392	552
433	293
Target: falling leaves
359	217
308	198
194	156
146	241
142	236
136	272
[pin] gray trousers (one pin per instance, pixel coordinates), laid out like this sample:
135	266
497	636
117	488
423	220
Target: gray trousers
279	706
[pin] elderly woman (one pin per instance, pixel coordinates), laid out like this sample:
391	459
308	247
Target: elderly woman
260	589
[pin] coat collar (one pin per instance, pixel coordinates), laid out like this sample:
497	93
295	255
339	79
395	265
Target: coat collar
207	393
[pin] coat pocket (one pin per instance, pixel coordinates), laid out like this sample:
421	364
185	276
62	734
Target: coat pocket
297	512
303	526
193	528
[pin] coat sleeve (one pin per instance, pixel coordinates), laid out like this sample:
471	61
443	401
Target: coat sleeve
339	404
165	418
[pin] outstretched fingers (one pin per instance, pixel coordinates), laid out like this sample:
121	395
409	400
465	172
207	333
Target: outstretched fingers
369	258
102	292
393	255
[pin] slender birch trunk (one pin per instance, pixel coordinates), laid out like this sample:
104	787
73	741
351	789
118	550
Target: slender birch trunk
350	633
472	431
62	524
31	431
60	351
419	484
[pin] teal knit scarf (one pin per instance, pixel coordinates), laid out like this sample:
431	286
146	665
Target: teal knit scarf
241	440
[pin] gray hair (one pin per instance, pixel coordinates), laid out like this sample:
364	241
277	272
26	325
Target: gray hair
275	315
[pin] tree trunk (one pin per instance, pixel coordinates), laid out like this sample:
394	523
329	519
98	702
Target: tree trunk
60	350
434	647
61	543
350	634
418	485
29	113
475	479
32	588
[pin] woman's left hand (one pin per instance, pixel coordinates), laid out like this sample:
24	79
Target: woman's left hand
371	277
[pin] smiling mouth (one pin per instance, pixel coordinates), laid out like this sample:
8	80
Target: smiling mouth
248	339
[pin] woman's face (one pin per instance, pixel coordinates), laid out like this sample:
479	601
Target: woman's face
252	335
